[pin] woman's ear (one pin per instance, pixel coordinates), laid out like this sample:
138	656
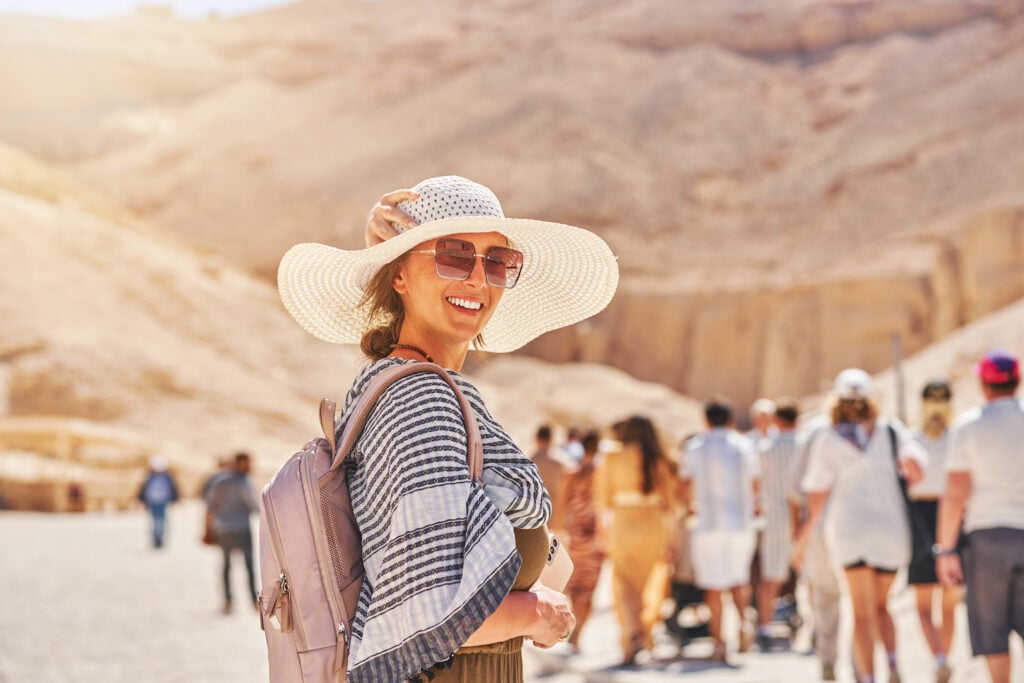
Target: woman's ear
399	284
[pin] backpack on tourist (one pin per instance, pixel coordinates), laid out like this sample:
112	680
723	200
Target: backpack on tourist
310	548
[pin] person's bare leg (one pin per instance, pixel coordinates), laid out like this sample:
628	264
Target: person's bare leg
951	597
923	594
883	620
862	597
713	599
999	667
767	591
741	599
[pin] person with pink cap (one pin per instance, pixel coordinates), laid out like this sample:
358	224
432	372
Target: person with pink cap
986	478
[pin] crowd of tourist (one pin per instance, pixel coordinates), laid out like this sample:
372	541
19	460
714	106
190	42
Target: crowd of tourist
848	500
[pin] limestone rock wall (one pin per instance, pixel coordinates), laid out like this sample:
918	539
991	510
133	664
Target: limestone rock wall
793	339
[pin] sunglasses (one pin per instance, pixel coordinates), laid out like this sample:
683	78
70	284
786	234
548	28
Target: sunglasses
456	259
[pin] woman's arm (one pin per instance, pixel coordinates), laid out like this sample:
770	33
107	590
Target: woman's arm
541	614
815	504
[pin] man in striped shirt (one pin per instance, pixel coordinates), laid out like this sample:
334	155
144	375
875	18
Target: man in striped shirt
779	458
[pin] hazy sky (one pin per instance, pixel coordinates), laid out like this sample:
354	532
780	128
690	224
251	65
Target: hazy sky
96	9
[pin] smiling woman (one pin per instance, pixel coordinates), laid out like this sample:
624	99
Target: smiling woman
454	607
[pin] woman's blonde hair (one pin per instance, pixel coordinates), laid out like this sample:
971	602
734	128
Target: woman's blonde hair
854	410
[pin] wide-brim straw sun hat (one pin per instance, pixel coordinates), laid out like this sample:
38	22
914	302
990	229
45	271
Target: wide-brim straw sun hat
569	274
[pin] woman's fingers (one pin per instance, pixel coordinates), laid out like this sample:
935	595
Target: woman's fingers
555	619
396	196
383	218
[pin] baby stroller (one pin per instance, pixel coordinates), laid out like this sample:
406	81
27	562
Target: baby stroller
690	617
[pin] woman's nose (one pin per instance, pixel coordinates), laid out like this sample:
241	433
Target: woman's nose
477	278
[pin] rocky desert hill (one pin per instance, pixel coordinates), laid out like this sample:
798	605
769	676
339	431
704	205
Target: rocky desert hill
108	320
786	185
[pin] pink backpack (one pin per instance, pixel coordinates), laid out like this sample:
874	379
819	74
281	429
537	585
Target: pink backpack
310	546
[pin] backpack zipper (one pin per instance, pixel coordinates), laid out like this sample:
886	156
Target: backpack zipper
281	587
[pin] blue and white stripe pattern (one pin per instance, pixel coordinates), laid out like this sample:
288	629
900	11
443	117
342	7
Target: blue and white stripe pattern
780	458
439	554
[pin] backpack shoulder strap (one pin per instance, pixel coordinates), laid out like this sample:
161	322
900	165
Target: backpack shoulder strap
366	402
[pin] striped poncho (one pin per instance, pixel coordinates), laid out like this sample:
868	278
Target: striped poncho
439	555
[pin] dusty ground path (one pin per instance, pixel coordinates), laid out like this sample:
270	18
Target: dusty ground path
85	599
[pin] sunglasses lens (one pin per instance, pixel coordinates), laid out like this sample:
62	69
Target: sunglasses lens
502	266
454	259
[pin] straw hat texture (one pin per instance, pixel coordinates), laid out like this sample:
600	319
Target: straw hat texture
569	273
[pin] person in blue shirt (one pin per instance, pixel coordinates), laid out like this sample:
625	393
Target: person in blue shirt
157	492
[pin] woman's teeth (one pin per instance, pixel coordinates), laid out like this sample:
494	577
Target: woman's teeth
463	303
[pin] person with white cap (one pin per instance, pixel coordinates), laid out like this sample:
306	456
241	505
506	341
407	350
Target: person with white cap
762	420
986	476
157	492
856	467
451	569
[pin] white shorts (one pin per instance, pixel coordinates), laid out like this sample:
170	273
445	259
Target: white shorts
721	559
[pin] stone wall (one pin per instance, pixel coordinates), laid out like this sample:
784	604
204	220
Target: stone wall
793	339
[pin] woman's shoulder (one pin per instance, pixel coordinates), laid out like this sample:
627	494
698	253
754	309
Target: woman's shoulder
414	379
418	390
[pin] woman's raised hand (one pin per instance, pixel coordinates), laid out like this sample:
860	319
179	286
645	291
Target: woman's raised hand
554	621
385	215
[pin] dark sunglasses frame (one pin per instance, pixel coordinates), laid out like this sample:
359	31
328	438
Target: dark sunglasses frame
456	259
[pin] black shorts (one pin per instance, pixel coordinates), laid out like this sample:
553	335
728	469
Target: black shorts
924	521
924	516
994	572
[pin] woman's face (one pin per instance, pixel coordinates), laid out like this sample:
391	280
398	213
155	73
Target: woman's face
453	311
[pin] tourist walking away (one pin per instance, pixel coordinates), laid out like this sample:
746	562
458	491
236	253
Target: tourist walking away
856	467
157	492
985	476
813	559
719	472
779	459
580	524
451	567
634	488
552	473
230	502
933	436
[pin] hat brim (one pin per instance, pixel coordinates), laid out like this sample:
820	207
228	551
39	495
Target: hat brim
569	274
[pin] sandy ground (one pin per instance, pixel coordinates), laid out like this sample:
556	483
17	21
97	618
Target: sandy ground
86	599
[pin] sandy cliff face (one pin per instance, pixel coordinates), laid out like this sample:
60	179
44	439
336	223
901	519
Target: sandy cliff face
785	186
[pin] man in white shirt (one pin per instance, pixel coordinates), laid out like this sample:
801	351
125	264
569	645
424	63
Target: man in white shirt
986	475
719	473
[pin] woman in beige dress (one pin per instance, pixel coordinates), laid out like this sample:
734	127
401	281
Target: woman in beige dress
634	491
